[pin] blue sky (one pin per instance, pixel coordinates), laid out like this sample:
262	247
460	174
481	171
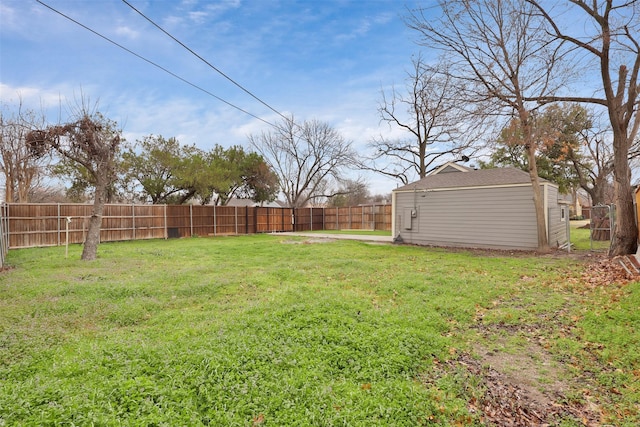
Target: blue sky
324	59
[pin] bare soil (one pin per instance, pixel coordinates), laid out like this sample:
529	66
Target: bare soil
518	393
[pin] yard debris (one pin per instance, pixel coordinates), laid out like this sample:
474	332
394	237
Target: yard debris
506	403
606	271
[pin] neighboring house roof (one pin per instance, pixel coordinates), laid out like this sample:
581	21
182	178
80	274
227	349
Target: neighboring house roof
445	177
241	203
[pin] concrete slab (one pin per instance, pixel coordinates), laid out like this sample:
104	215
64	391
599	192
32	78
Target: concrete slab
359	237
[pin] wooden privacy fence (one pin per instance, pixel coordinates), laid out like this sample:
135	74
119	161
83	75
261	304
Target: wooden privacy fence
30	225
4	233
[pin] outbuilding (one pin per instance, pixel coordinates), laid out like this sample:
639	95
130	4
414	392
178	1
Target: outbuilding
458	206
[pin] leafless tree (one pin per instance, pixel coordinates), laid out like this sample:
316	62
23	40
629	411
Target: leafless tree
593	162
614	44
307	158
428	110
503	53
91	141
352	193
23	170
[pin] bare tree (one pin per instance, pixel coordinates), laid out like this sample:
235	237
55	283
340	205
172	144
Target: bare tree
593	163
615	46
91	141
504	54
352	193
23	170
428	110
307	158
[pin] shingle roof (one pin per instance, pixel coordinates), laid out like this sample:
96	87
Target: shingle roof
472	178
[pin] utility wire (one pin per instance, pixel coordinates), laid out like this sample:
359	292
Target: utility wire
247	91
154	64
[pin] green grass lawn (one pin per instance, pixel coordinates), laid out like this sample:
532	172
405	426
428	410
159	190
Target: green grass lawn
273	330
581	240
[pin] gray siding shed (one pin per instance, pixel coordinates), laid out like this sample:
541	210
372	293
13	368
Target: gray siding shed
491	208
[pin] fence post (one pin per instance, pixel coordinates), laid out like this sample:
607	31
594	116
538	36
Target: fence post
166	231
133	221
373	214
254	209
215	220
235	211
3	237
59	224
311	218
191	219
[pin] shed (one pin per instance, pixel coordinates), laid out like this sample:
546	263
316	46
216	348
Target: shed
457	206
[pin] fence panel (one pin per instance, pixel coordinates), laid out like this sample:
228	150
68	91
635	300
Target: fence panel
30	225
273	220
382	217
202	221
308	219
344	218
178	221
117	223
226	220
33	225
331	219
149	222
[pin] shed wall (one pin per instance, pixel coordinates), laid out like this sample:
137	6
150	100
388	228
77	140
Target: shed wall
557	224
492	217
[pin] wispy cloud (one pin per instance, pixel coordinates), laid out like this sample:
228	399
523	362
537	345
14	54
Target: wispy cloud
127	32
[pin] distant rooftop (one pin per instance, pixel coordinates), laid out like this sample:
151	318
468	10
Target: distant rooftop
241	203
462	176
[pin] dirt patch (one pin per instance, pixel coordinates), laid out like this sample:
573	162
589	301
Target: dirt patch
6	268
307	241
532	369
519	398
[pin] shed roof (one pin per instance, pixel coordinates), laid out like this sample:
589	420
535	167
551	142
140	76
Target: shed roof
471	178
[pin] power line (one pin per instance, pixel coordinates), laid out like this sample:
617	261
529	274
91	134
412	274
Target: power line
154	64
247	91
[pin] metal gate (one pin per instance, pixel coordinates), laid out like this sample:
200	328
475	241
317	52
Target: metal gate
603	218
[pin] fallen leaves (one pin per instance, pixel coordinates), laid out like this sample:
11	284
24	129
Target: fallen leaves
507	404
605	272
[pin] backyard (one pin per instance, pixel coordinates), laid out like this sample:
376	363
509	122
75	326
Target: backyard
281	330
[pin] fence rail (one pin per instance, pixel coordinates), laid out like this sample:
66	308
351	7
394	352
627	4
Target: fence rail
30	225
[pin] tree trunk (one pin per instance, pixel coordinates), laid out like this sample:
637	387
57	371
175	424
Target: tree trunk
90	250
625	234
8	189
538	203
597	194
538	198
